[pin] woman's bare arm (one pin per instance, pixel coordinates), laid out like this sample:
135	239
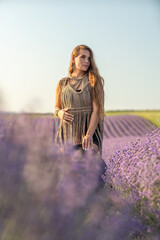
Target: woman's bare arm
93	121
58	98
68	117
87	141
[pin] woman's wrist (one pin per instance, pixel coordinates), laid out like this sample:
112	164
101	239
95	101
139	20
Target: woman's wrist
89	135
56	112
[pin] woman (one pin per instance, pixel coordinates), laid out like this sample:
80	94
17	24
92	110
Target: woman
80	103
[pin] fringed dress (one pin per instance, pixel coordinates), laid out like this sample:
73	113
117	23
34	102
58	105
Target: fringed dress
79	103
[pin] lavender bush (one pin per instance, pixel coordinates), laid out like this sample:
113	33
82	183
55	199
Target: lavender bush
46	194
135	170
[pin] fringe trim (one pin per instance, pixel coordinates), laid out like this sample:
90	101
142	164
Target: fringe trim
74	133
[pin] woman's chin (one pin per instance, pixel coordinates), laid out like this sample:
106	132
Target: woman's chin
84	69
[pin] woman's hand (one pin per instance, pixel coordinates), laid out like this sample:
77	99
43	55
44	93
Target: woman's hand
87	142
67	117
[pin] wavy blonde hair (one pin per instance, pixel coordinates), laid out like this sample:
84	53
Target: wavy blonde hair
96	81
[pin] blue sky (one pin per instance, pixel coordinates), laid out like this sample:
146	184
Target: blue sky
37	38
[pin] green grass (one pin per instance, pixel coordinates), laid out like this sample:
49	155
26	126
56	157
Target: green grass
152	116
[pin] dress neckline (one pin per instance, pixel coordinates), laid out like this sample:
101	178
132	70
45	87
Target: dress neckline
77	83
79	90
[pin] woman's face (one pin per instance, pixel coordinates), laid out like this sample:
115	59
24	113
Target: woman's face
82	61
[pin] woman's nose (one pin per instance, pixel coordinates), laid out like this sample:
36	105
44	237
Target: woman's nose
87	60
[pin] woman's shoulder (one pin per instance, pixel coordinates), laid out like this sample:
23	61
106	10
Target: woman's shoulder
63	81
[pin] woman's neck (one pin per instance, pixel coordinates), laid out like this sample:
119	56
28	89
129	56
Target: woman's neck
78	74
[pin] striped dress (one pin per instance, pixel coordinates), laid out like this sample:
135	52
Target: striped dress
79	103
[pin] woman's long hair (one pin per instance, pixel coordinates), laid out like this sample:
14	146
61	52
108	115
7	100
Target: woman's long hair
96	81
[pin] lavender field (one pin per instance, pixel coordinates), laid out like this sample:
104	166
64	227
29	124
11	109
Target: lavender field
49	195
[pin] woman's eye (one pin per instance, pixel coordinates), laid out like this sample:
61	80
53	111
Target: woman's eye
83	56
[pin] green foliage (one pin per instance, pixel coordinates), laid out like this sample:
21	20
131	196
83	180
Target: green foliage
152	116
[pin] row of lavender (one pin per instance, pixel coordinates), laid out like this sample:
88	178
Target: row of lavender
46	195
134	169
